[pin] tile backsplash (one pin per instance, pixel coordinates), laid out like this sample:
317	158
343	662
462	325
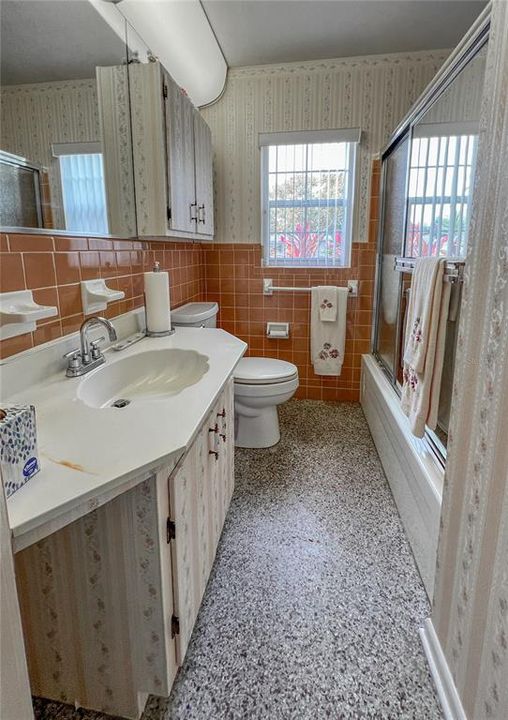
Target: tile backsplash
54	266
230	274
234	279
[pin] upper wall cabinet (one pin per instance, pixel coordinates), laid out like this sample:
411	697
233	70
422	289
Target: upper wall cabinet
172	157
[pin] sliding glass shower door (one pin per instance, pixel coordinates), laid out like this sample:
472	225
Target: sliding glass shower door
427	185
394	181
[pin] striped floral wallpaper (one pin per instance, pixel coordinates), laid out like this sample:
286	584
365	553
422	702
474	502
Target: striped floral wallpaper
372	92
35	116
470	613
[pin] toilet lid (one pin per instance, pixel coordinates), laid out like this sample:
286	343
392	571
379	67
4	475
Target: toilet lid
254	370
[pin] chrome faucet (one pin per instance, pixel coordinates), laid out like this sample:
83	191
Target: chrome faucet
89	356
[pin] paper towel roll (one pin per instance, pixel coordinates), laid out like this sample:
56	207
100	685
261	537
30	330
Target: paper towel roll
158	315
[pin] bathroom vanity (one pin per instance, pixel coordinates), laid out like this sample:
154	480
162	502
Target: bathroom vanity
117	534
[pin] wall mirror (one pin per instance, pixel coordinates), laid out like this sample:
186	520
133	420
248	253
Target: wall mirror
428	172
65	140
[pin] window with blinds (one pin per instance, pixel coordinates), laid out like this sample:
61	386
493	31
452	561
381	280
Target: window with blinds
83	187
307	197
439	195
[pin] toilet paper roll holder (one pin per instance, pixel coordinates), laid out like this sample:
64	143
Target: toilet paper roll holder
150	333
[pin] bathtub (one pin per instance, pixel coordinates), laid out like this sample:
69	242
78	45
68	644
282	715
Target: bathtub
413	471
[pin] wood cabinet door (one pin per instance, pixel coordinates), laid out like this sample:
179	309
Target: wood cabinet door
97	600
200	492
180	155
147	108
184	549
204	443
229	432
226	457
216	512
204	175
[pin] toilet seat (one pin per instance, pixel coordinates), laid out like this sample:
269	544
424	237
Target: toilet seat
264	371
265	390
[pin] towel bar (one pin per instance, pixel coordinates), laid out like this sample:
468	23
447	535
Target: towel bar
453	272
269	288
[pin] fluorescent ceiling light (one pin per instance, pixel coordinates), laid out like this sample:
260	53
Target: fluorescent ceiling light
179	35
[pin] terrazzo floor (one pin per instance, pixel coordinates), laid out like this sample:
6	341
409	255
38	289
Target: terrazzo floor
314	603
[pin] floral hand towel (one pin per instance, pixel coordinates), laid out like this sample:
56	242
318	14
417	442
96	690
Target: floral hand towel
425	336
425	289
328	339
327	299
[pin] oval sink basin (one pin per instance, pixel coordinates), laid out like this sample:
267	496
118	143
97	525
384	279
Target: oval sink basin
151	374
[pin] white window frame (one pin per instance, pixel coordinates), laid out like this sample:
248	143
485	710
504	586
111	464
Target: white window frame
351	136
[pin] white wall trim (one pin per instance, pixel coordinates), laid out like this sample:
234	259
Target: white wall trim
443	680
76	148
309	66
294	137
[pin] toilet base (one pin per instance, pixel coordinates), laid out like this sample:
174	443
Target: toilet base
257	431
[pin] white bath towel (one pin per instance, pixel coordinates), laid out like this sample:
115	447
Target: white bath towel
425	296
424	344
327	299
328	339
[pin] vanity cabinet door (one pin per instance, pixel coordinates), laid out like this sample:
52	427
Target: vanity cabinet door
229	455
96	600
205	555
200	491
222	464
214	478
185	548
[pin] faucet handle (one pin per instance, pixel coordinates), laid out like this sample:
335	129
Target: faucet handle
73	354
94	347
74	357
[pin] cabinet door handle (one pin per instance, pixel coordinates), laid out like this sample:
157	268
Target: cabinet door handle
214	452
223	436
201	213
222	414
214	429
193	212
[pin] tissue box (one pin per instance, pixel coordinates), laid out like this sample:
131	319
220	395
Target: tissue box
19	460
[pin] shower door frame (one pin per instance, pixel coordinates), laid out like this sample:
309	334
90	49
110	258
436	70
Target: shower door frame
473	41
391	376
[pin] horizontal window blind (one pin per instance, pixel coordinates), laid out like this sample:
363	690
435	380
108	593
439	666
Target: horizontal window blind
84	194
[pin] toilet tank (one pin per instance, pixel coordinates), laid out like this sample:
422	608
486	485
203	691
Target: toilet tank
195	314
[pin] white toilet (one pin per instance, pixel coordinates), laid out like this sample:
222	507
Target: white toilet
260	385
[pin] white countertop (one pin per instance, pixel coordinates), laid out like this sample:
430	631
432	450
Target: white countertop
89	455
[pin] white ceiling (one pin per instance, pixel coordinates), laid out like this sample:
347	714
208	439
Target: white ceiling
254	32
47	40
